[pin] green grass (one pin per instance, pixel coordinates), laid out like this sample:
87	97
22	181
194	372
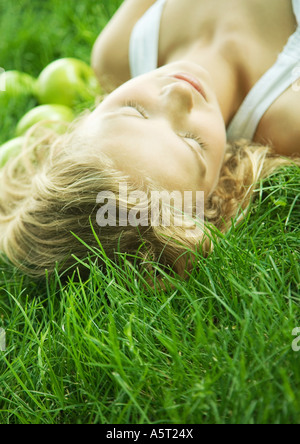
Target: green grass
213	349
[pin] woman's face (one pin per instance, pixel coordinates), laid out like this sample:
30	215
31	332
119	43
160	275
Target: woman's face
166	125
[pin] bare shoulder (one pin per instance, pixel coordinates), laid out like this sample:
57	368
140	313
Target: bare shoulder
111	50
280	126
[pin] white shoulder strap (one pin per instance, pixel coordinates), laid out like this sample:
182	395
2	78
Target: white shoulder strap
143	46
272	84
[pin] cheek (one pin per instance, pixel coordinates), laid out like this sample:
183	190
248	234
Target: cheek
174	173
174	170
137	88
221	147
213	131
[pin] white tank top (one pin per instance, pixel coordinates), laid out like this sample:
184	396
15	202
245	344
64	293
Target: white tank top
143	57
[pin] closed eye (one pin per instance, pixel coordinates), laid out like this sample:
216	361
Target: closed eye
141	110
135	105
196	139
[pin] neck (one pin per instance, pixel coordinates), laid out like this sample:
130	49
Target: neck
228	77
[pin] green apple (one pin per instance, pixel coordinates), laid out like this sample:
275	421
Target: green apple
67	82
17	83
52	114
10	149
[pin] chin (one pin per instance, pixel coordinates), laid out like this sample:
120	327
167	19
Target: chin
191	67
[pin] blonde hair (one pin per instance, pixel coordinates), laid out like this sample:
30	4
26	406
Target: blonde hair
48	194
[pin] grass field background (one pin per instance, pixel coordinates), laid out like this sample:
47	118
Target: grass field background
216	348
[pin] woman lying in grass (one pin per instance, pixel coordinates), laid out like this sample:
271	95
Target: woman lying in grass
203	100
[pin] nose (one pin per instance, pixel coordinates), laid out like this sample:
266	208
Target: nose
178	97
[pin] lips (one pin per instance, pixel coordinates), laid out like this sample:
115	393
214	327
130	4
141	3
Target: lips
193	81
